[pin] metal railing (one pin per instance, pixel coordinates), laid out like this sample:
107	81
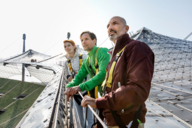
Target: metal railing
63	110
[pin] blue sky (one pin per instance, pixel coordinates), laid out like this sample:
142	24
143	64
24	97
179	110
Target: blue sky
47	22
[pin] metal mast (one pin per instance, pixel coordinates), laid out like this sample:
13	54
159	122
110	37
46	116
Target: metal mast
23	68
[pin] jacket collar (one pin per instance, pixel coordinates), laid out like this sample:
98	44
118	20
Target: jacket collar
92	52
120	44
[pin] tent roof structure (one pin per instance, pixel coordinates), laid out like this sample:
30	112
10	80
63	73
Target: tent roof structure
27	56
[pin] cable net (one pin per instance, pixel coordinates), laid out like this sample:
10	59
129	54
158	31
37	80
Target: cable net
7	71
43	71
172	56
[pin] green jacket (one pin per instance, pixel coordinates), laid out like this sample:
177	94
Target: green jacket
102	59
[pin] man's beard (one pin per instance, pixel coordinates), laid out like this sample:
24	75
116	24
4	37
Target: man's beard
113	37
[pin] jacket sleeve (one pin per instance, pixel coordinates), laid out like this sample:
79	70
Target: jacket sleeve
103	59
139	72
82	73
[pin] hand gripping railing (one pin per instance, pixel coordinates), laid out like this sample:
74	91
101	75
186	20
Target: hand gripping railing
99	119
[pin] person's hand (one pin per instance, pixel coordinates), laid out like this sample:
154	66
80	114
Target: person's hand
95	126
70	79
74	90
69	96
67	92
88	101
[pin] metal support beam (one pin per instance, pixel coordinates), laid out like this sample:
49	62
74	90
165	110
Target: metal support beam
188	36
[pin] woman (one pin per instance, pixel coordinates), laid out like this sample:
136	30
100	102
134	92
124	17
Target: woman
72	66
74	59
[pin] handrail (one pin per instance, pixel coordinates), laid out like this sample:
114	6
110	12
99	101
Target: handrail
102	123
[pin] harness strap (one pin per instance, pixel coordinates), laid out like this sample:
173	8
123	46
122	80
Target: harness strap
80	63
118	120
108	82
97	70
121	124
69	65
135	123
80	60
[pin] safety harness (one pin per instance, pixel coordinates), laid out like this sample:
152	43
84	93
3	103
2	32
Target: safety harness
108	83
70	67
94	92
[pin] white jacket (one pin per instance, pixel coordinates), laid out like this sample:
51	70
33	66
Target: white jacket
74	63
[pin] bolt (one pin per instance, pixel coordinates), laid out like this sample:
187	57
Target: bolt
187	120
39	100
44	120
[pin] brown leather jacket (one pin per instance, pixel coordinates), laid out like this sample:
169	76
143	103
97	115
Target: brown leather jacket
134	70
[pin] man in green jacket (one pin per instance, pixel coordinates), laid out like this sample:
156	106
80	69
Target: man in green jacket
95	65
